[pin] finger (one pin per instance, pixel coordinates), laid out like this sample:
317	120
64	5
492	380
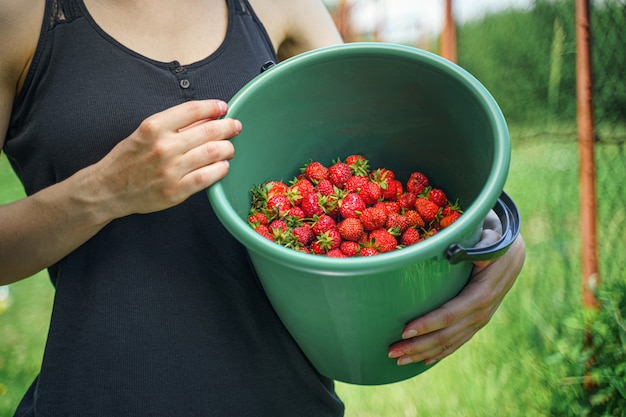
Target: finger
182	116
204	177
434	346
492	221
488	237
207	153
202	144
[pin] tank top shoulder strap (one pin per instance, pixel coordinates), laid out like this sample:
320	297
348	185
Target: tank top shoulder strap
61	11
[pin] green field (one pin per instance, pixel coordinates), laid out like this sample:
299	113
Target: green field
507	369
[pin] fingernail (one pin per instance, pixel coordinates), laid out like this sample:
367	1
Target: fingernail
238	125
404	361
409	334
222	106
395	353
429	362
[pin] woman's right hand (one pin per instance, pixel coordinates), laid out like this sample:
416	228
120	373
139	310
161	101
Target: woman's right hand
172	155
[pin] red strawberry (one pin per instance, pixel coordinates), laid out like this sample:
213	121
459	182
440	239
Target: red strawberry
296	212
324	187
370	192
278	203
315	171
415	220
426	209
383	240
368	251
326	241
410	237
351	205
355	183
446	221
264	231
276	188
349	248
373	218
323	224
336	253
438	197
388	206
339	173
258	219
407	200
299	190
416	183
358	164
304	234
278	225
350	229
397	221
310	205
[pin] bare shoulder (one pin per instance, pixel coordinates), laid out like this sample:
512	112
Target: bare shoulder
20	25
296	26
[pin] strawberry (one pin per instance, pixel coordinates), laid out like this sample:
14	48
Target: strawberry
426	209
349	248
336	253
438	197
264	231
358	165
446	221
323	224
355	183
416	183
383	240
304	234
278	204
350	229
310	205
298	190
388	206
326	241
295	212
397	222
324	187
275	188
370	192
415	220
410	237
368	251
385	178
339	173
258	219
351	205
406	200
315	171
373	218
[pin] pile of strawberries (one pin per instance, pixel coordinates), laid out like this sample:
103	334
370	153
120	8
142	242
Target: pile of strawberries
346	209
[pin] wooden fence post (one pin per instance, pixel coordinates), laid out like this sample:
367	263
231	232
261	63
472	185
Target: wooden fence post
448	35
586	139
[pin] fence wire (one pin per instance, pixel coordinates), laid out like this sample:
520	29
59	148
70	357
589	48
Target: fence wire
526	57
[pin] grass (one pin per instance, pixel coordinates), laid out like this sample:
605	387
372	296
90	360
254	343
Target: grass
504	370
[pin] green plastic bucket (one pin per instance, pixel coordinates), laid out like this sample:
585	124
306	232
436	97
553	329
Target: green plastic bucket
404	109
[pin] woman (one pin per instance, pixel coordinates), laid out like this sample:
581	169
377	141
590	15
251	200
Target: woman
109	115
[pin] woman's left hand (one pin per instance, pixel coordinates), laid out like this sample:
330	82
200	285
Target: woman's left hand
439	333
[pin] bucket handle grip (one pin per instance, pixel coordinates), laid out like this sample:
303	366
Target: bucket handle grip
509	216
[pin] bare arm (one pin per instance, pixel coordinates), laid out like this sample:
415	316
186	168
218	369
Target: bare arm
297	26
170	156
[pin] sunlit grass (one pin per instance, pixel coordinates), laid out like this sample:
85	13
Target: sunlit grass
502	371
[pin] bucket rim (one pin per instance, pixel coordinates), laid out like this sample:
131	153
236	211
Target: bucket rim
434	246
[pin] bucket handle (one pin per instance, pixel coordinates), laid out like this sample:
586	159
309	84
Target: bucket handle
509	216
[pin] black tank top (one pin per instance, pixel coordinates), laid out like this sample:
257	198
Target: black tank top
158	314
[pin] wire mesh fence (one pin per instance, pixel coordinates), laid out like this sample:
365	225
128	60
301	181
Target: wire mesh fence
525	54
